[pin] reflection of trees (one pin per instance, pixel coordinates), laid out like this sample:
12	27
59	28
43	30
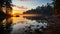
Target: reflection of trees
33	17
5	27
1	26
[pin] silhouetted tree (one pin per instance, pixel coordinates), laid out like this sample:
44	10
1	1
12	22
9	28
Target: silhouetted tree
56	6
1	11
8	6
46	10
38	10
5	29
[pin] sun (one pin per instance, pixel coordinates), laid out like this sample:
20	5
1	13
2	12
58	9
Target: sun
13	12
17	10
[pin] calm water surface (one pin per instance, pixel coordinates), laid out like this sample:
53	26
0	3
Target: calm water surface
19	23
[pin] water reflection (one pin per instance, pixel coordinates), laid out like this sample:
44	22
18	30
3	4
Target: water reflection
23	23
5	26
17	25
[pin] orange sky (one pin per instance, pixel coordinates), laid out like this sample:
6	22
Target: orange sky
18	10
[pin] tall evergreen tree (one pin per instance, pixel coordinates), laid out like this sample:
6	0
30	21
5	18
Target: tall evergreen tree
57	6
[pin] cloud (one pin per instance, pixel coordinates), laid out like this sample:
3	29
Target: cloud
20	7
26	0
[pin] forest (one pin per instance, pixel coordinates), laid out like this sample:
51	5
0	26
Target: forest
46	10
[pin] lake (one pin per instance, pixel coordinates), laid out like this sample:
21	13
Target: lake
19	24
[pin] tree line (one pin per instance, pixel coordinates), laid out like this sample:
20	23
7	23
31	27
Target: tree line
46	10
49	9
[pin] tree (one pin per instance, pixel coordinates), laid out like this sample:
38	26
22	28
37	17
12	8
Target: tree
5	4
8	6
5	29
1	5
48	10
56	6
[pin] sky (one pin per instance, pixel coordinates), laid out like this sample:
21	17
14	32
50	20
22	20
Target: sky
23	5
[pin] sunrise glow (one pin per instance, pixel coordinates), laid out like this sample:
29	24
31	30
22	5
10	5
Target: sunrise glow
17	10
20	6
